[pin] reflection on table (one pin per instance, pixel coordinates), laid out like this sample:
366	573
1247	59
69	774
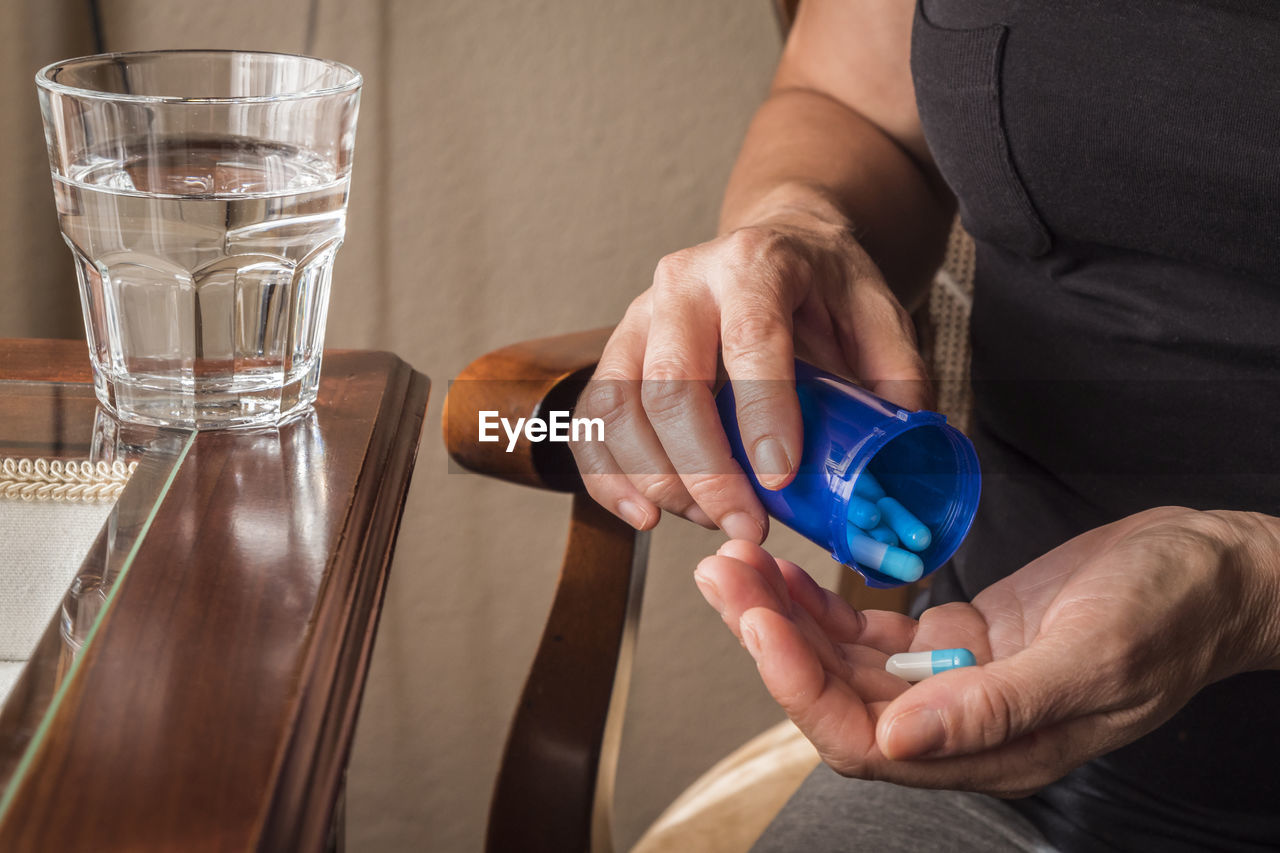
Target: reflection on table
71	508
199	686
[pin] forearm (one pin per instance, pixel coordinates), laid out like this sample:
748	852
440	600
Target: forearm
807	154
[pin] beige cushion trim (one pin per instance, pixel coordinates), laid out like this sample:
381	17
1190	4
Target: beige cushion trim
730	805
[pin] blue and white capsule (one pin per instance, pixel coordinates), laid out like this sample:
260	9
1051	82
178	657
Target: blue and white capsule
868	487
917	666
885	559
882	533
911	530
863	513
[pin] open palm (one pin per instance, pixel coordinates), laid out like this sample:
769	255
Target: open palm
1081	651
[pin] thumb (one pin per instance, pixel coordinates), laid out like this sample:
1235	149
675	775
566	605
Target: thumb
977	708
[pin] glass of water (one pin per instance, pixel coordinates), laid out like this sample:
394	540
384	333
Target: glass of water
203	194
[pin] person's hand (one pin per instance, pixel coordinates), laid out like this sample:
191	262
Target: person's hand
1082	651
748	296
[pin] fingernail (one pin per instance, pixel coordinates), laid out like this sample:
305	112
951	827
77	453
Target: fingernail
632	513
739	525
915	734
771	463
749	637
709	591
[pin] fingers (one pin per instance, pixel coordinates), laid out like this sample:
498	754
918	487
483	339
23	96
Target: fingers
837	704
739	297
1015	769
612	489
956	625
756	339
832	613
679	372
826	709
888	632
816	340
837	714
742	576
762	561
629	473
732	587
726	579
663	434
880	342
883	631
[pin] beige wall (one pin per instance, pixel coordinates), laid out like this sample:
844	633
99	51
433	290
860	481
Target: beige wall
37	280
520	168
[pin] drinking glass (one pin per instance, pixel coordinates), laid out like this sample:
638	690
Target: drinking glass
203	195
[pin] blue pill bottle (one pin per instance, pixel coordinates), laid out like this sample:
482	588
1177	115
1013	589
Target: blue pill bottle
929	466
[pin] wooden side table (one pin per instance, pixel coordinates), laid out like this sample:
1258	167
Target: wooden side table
209	702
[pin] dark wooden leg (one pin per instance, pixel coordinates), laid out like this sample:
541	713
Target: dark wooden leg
547	792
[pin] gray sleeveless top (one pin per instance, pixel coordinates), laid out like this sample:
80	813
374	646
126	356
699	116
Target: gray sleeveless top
1118	164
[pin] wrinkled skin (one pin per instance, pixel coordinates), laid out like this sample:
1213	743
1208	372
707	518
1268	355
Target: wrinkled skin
1082	651
744	297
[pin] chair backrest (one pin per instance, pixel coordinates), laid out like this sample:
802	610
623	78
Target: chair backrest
945	333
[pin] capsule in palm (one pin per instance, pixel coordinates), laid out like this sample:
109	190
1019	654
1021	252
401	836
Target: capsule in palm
917	666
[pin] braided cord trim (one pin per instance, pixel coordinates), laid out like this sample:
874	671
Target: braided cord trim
62	479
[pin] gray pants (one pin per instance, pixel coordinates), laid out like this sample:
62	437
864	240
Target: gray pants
830	813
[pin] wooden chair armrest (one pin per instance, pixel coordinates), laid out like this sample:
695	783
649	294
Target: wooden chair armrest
554	789
522	380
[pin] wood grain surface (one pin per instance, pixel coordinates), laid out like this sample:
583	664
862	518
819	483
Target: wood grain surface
215	708
38	360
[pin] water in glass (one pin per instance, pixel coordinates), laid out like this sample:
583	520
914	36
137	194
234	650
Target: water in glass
205	269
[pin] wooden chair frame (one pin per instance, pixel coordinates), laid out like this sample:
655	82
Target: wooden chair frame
554	790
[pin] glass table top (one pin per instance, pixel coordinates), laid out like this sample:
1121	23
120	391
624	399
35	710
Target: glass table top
78	492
